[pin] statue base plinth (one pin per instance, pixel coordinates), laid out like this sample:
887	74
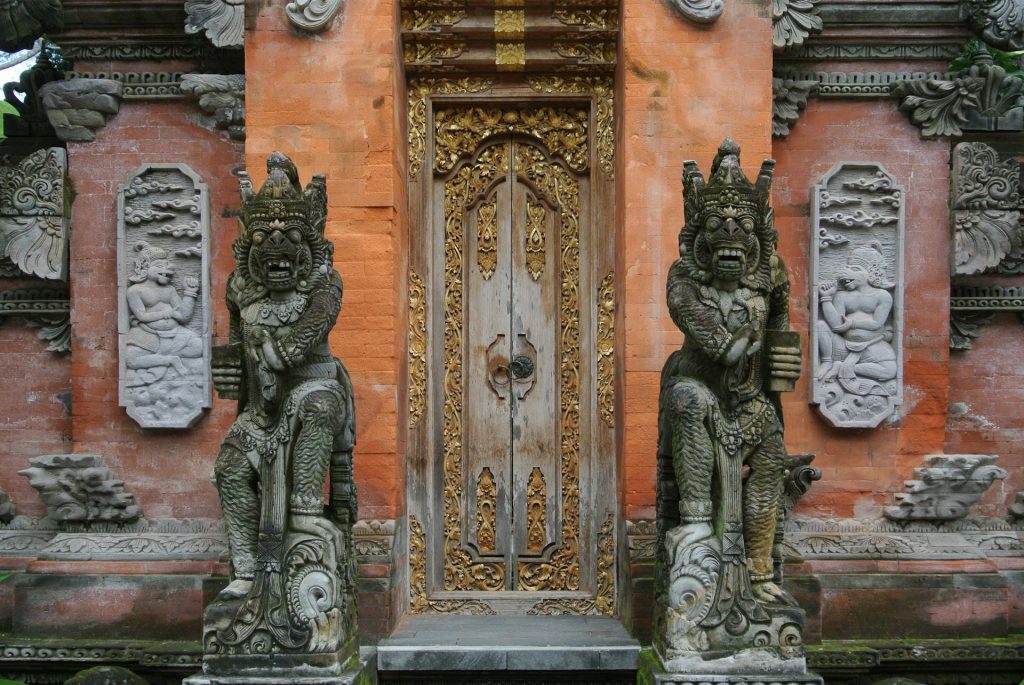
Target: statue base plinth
284	669
741	668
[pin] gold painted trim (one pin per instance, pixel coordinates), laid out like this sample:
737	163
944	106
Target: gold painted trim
419	602
590	52
461	572
431	52
562	572
601	87
603	602
606	348
419	91
509	24
487	238
510	56
486	511
589	19
432	19
417	347
536	512
535	252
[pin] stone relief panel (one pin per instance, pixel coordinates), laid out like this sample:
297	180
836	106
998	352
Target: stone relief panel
164	296
984	198
33	216
857	304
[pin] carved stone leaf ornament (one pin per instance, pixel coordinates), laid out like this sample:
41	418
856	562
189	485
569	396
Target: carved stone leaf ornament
857	308
1000	22
164	330
312	15
793	21
789	97
699	11
33	216
223	21
80	488
972	307
23	21
221	95
79	107
49	309
984	208
946	487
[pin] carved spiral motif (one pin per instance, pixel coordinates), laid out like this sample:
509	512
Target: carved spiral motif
762	639
311	592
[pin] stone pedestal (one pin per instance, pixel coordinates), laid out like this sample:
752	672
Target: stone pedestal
741	668
278	669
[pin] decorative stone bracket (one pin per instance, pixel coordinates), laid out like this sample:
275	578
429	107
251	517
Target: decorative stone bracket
972	307
946	487
311	16
700	11
223	21
998	22
47	308
79	107
793	21
221	95
33	214
985	211
789	97
80	488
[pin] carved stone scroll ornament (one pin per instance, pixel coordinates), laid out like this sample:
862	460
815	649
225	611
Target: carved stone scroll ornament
78	108
718	606
221	95
946	487
312	15
793	21
999	22
972	307
23	21
984	208
289	610
789	97
80	488
699	11
33	214
223	21
164	329
977	98
47	308
857	309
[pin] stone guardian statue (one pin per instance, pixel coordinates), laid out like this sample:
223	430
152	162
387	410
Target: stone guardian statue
721	458
289	610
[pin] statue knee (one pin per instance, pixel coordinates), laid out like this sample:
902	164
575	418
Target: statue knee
231	465
687	402
321	408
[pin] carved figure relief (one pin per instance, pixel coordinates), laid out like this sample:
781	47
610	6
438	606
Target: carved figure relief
164	303
34	214
718	600
984	209
291	596
857	309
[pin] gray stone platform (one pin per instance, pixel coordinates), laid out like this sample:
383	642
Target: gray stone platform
508	643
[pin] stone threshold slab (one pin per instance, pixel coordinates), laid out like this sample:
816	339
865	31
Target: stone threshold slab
508	643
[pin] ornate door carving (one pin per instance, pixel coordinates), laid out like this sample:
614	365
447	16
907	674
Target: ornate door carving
512	525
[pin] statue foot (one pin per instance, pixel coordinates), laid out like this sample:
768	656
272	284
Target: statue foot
767	592
239	587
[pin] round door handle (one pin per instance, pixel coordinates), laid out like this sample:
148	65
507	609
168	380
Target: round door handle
521	367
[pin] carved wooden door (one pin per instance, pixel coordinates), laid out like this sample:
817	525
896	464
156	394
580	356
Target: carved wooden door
512	512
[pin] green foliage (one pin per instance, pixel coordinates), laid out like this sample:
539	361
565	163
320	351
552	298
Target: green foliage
5	108
10	682
1011	61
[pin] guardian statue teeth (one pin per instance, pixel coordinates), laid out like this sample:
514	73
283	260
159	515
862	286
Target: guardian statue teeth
290	602
721	458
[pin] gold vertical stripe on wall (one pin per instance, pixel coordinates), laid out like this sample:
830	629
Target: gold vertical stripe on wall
606	348
535	255
417	347
487	237
486	511
536	512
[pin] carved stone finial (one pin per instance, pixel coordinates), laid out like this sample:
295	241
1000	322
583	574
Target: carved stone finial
719	608
79	107
223	21
1000	23
33	217
291	604
945	487
789	97
984	195
23	21
223	96
80	488
312	15
699	11
793	21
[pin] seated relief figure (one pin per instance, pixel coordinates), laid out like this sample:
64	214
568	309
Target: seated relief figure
292	584
721	456
854	337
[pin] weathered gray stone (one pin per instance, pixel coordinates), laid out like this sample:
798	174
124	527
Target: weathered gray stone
80	488
793	21
164	330
23	21
78	108
221	95
289	611
789	97
699	11
718	604
984	195
857	310
46	308
312	15
223	21
106	675
945	487
33	214
999	22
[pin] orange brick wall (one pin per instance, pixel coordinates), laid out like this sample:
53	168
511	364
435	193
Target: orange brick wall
861	468
167	470
682	89
329	103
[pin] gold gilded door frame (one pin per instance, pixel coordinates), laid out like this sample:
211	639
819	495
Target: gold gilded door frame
571	132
